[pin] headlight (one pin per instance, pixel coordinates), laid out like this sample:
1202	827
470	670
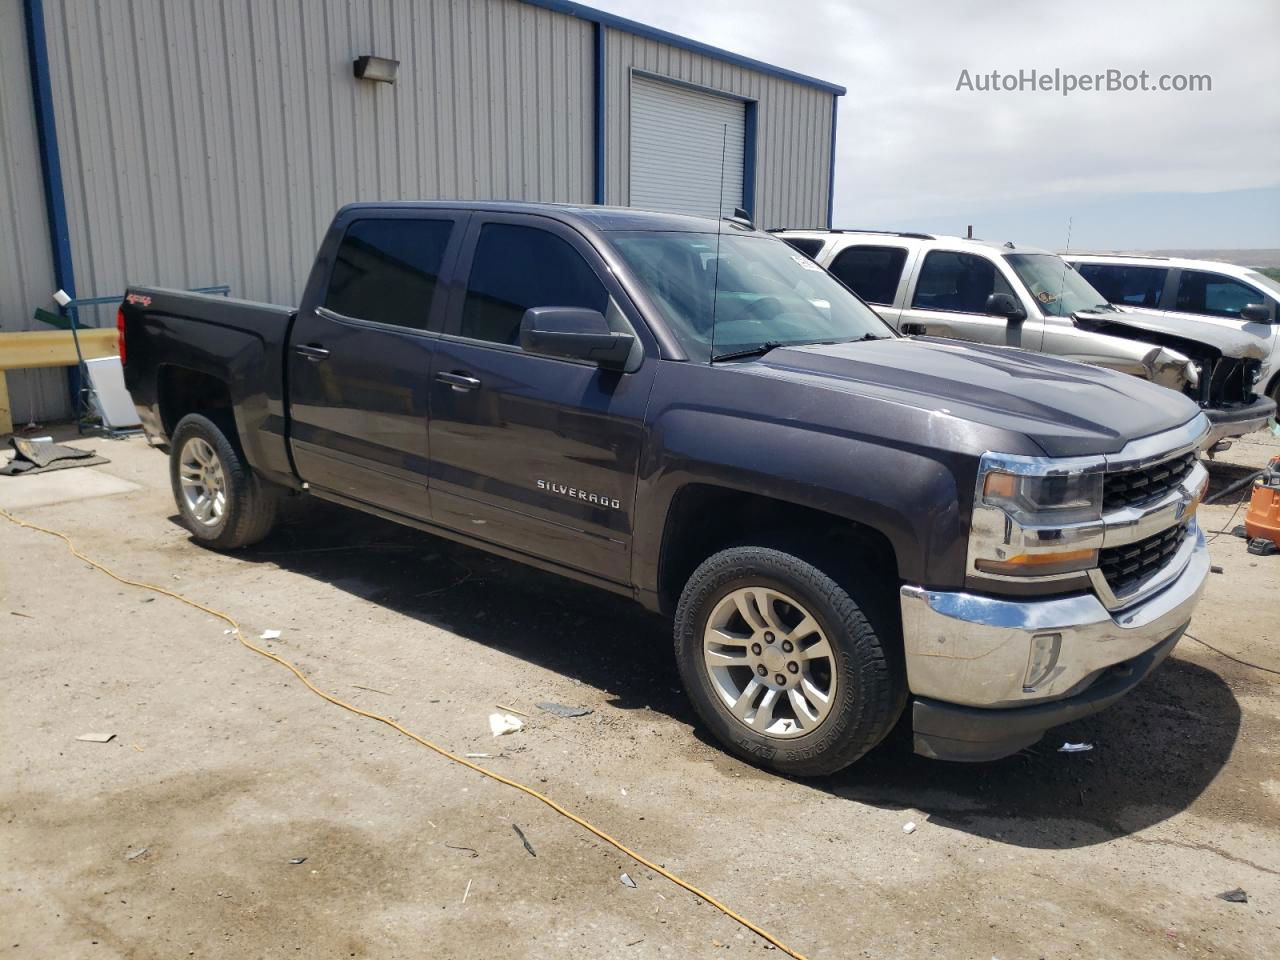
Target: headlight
1036	517
1058	497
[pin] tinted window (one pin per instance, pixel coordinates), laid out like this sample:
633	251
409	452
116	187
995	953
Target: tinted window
386	270
516	268
1200	292
806	245
1134	286
871	272
957	281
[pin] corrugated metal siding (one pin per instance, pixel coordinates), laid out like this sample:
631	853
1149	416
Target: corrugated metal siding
793	132
210	142
686	149
26	265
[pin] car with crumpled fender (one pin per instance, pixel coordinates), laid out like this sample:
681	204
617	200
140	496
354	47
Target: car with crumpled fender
1010	294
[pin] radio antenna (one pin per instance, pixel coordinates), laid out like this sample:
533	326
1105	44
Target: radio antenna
715	283
1062	284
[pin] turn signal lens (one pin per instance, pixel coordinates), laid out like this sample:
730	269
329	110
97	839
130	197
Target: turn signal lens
1041	564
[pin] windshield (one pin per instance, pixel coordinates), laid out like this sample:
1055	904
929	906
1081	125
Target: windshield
760	291
1059	290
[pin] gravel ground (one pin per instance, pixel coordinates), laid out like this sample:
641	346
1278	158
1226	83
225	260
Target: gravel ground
175	839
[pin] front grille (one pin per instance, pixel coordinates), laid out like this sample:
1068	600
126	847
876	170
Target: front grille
1128	488
1126	567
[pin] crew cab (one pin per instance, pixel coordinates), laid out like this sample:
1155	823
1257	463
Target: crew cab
1202	297
845	525
1030	298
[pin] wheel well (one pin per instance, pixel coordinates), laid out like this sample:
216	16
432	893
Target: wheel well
706	519
183	391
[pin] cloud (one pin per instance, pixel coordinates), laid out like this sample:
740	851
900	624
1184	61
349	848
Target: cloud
911	145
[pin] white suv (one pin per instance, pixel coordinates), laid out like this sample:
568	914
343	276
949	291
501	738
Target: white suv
1201	291
1024	297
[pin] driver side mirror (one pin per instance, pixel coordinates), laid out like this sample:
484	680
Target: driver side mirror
1255	313
574	334
1003	305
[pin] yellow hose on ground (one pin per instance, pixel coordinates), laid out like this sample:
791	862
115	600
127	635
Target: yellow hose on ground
448	755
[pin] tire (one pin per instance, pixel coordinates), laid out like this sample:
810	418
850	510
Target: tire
869	690
246	510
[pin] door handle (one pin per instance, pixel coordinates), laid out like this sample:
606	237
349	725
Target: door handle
459	381
912	330
311	352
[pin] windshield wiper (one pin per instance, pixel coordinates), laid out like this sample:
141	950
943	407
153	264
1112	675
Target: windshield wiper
763	348
759	349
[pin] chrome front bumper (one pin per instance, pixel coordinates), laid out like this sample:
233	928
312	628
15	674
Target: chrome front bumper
975	650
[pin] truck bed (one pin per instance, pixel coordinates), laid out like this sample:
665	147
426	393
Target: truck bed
171	335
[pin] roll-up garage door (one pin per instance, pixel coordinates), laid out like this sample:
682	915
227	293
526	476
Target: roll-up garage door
678	137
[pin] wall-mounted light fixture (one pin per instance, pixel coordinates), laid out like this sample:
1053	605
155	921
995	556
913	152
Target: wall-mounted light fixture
375	68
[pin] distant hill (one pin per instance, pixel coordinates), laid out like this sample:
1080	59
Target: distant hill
1261	258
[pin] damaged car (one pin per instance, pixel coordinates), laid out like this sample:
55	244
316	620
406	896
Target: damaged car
1003	294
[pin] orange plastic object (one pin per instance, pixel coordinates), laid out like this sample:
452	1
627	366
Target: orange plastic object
1263	519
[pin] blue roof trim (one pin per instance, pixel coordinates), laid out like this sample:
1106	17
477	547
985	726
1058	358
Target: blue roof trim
750	133
598	145
614	22
47	134
831	175
55	199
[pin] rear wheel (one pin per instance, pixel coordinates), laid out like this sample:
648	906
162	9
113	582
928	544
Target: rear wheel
222	502
782	664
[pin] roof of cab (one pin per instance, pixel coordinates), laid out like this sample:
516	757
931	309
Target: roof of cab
1153	260
922	238
599	218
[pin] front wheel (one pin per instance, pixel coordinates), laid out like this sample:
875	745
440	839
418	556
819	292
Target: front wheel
781	663
222	502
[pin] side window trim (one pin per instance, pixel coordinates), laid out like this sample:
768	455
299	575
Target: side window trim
452	320
997	266
902	270
444	280
1223	278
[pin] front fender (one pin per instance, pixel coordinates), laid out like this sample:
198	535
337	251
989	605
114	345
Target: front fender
909	495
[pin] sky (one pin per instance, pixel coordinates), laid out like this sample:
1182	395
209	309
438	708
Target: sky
1123	170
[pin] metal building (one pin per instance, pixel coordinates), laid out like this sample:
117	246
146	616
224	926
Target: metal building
192	143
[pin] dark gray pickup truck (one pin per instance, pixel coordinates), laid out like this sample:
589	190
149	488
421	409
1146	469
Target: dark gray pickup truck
845	524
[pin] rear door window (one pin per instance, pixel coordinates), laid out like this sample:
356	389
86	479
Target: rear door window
387	271
1131	286
1213	293
809	246
516	268
871	272
959	282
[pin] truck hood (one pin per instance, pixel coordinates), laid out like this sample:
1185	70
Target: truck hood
1067	409
1250	341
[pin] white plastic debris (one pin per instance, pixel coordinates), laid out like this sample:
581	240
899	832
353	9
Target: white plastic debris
627	881
909	827
270	635
501	724
1075	747
96	737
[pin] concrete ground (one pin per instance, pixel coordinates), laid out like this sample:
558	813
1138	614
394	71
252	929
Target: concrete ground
176	838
